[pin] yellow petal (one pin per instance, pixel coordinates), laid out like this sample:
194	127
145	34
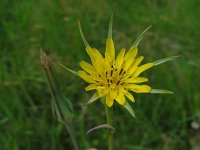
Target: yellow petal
121	89
100	91
91	87
127	64
108	60
142	69
135	64
140	88
91	53
98	55
106	90
87	67
97	59
136	80
110	49
120	98
119	59
113	94
85	77
131	54
130	96
109	101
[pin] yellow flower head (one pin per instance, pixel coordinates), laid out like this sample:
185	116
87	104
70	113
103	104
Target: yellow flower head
115	76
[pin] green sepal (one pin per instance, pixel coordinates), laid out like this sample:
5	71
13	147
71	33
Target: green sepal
110	26
158	91
102	126
163	60
82	35
70	70
93	98
129	109
137	41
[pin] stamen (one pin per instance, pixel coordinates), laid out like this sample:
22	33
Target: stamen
111	72
118	82
122	83
108	80
121	71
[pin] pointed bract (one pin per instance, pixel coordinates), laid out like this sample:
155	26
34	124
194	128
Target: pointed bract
163	60
82	35
110	26
129	109
70	70
137	41
94	97
158	91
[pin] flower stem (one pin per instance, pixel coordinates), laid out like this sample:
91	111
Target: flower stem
109	118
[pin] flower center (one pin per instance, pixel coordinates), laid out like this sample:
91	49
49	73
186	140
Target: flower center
114	76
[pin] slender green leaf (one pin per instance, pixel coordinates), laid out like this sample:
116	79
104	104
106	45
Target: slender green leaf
102	126
70	70
129	108
110	26
158	91
93	98
137	41
82	35
163	60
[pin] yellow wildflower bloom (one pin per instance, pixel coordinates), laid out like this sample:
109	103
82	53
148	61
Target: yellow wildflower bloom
116	76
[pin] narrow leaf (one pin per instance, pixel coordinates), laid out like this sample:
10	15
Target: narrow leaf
110	26
137	41
70	70
93	98
102	126
163	60
129	108
158	91
82	35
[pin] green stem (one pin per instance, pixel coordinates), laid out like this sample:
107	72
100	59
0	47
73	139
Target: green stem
70	130
109	118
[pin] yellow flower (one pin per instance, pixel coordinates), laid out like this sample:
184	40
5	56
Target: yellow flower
115	77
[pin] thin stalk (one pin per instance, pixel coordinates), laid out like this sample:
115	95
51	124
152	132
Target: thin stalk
70	130
109	119
62	107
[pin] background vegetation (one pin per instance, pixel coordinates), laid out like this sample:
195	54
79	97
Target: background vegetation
163	122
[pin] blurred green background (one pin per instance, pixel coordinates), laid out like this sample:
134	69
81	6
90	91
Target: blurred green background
163	122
